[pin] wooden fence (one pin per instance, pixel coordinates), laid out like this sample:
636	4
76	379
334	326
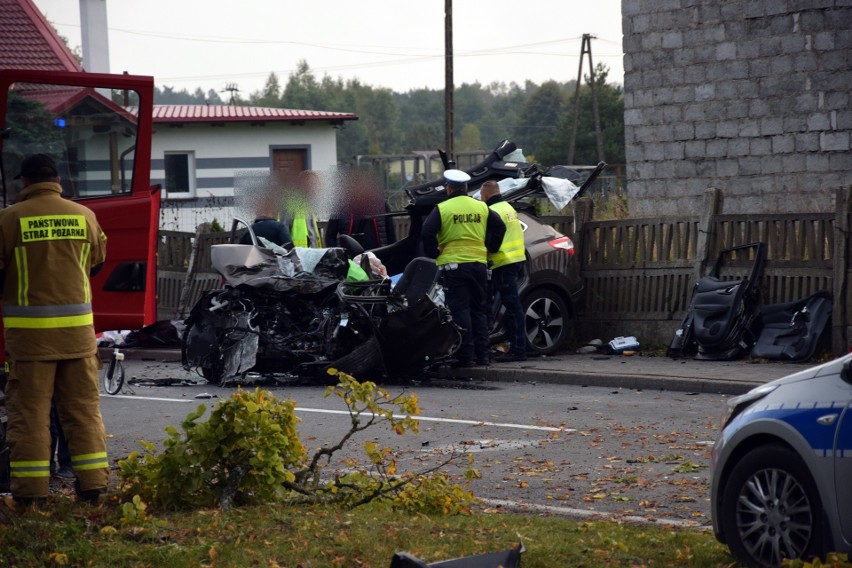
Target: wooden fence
639	273
184	271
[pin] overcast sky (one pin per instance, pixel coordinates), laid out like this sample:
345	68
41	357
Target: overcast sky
397	44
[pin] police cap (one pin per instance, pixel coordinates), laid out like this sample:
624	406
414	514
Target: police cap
456	177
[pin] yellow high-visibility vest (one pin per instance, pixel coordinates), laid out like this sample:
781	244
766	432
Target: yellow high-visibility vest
462	234
512	249
300	234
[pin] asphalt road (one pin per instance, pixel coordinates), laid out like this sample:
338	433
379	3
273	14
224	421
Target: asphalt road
569	449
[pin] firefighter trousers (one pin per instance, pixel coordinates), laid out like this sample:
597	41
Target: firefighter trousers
30	387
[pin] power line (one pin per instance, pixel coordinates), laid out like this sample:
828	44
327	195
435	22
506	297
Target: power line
337	47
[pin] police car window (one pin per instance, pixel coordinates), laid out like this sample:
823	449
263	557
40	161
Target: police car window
90	134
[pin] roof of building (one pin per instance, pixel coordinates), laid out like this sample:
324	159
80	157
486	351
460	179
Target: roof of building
229	113
29	41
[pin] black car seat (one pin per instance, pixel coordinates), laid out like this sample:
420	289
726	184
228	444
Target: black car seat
352	247
792	330
417	278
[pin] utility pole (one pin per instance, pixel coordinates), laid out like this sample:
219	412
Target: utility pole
586	48
448	78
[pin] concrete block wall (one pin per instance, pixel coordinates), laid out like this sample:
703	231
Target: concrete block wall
750	96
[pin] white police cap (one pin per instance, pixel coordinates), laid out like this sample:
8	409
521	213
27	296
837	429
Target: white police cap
456	177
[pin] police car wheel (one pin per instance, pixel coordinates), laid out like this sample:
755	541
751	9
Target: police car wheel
771	509
547	321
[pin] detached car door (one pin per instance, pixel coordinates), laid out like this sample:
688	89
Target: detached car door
98	128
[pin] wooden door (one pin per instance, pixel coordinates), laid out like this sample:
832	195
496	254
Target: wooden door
287	163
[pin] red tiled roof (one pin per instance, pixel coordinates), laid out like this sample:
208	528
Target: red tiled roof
29	41
228	113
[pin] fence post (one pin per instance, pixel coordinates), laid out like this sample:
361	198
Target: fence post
840	258
711	207
584	210
191	269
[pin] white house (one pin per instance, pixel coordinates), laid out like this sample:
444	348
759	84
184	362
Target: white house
200	154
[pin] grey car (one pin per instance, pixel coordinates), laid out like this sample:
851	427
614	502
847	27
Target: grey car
782	468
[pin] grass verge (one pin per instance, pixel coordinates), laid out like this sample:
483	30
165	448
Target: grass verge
67	534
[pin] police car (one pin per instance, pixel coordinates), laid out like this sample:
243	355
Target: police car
782	468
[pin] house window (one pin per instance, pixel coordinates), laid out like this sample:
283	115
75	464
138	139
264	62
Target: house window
180	174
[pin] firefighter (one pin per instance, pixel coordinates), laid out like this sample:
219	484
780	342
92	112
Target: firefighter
506	265
459	233
49	247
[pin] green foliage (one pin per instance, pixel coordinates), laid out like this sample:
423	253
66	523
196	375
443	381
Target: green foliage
437	494
133	512
32	130
270	96
688	467
831	561
240	455
540	119
611	112
271	535
168	95
611	206
469	139
249	452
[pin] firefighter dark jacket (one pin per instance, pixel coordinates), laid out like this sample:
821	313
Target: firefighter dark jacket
48	246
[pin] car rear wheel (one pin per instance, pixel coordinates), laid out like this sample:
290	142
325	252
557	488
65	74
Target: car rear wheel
547	320
771	509
360	360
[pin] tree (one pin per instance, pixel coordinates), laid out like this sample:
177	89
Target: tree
303	91
380	116
540	118
469	139
536	117
611	110
32	129
270	96
421	120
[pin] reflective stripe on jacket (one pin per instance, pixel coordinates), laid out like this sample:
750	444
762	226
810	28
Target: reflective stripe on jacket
462	234
512	249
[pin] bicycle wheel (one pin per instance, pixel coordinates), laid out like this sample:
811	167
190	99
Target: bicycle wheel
113	377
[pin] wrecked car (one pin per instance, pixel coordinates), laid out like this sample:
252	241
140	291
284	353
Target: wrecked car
293	312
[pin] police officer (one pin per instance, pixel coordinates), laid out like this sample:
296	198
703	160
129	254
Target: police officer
459	233
49	246
506	265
